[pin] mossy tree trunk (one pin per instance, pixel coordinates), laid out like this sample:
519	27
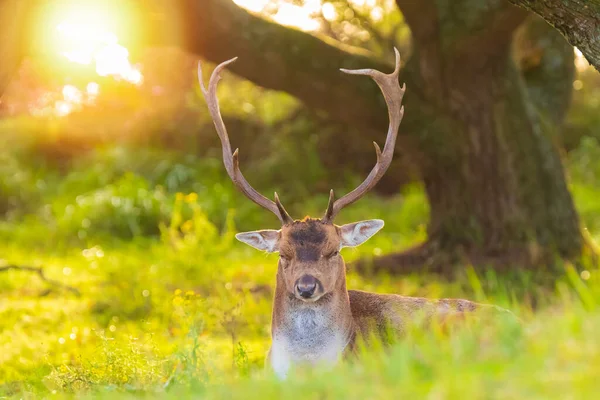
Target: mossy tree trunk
497	189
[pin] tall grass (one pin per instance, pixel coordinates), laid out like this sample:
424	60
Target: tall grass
173	306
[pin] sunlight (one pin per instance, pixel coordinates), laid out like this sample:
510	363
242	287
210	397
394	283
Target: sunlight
580	62
85	41
84	33
253	5
303	16
287	13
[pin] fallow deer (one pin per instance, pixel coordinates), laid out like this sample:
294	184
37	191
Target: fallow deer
315	318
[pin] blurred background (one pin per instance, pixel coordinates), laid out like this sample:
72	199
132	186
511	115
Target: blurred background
112	186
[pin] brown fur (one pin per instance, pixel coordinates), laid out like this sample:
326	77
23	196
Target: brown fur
310	247
325	326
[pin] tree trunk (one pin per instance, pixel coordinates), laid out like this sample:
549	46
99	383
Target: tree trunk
493	176
577	20
501	196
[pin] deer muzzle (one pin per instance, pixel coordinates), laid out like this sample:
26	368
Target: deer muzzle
307	287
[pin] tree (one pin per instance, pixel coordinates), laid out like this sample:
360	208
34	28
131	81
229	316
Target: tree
492	173
577	20
479	128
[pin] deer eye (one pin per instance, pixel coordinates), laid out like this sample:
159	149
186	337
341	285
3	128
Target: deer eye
335	253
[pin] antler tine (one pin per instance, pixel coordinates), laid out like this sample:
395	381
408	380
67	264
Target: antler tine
393	93
285	217
230	160
329	213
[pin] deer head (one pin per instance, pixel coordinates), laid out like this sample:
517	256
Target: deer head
310	263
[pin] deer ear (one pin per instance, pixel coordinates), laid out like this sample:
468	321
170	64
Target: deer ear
265	240
357	233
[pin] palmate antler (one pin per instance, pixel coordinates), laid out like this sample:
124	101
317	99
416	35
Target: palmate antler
392	92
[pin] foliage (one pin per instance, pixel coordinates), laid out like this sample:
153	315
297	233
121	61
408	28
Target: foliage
375	25
137	213
584	117
585	172
173	306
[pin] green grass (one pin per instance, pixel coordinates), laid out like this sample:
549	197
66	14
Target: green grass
172	306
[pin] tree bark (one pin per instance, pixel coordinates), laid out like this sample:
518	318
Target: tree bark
501	198
577	20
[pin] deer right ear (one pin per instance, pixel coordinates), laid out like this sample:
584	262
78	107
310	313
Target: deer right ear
359	232
265	240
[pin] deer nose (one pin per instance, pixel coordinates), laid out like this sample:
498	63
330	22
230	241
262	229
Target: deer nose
306	286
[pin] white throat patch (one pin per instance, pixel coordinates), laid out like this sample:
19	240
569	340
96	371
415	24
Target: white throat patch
308	336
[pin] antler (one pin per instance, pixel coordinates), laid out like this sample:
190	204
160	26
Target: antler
393	93
231	159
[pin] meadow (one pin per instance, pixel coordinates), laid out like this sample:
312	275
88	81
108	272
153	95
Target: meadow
120	274
149	294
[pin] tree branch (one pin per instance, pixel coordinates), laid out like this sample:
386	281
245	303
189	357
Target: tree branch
577	20
42	275
282	58
307	67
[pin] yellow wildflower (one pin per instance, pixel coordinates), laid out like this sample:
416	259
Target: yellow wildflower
187	226
191	198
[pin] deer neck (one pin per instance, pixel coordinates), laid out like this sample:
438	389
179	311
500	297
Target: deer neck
310	333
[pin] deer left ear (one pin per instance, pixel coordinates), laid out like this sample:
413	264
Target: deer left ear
266	240
359	232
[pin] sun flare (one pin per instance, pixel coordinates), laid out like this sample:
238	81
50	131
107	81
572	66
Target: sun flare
86	34
287	13
86	43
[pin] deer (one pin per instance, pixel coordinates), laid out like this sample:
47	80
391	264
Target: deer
316	320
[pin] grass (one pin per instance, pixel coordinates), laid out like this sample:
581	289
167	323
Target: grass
172	306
